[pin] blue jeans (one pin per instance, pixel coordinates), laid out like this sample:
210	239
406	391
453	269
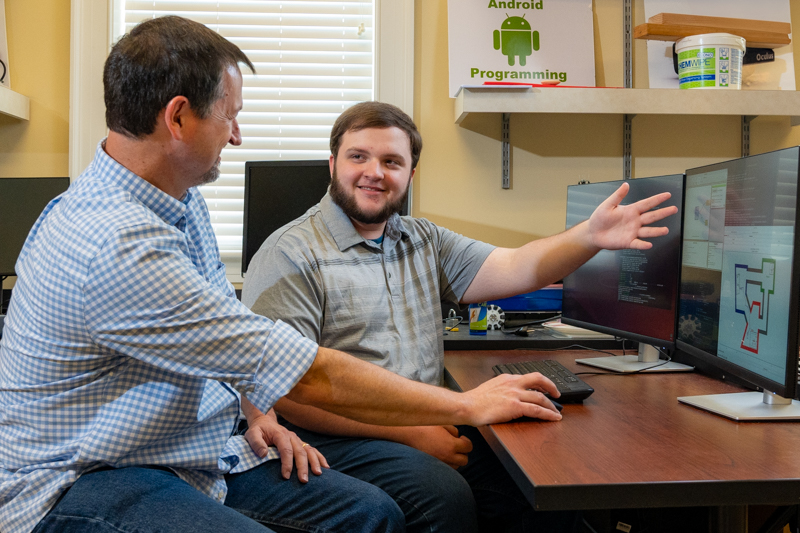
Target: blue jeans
433	496
480	496
154	499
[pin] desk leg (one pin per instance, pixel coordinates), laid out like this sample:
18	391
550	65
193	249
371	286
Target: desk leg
728	519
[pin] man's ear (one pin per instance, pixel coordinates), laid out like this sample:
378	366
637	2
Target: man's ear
176	115
331	164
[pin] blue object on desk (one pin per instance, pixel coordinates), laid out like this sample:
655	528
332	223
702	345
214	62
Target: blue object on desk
547	299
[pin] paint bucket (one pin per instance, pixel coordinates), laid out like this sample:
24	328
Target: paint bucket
710	61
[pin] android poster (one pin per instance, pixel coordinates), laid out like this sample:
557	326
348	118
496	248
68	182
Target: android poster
536	41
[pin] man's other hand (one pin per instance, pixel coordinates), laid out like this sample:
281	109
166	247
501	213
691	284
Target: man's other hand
441	442
265	431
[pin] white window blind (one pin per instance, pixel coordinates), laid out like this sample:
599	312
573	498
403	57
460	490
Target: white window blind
313	60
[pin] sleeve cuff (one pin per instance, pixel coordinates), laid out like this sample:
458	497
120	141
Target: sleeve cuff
286	358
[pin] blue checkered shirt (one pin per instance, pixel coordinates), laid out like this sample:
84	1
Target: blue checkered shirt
124	345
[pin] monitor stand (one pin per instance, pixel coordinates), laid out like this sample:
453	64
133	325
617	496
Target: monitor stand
747	405
647	361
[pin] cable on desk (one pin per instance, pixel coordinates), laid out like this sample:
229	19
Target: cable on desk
579	347
518	328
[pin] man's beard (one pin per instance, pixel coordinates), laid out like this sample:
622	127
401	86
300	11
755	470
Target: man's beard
210	176
350	207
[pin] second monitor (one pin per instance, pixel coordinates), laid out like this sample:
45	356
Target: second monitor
631	294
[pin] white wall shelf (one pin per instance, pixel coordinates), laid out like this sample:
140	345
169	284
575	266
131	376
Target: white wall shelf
14	104
625	101
508	100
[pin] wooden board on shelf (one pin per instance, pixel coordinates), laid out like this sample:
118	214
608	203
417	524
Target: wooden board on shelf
672	32
672	26
722	22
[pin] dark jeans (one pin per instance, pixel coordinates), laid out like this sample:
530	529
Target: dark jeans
145	499
434	496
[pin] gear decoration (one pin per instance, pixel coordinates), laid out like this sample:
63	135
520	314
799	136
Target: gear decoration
688	326
495	317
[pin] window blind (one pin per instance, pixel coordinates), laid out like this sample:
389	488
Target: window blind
313	60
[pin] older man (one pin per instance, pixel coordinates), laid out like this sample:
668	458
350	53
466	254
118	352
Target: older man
125	352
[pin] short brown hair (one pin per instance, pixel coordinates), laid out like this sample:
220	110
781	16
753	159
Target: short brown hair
158	60
376	115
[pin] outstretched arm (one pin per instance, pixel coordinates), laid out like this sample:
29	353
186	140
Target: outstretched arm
612	226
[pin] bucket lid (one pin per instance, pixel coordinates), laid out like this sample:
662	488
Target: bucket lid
711	39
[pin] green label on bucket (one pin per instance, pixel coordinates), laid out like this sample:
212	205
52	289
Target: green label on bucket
698	68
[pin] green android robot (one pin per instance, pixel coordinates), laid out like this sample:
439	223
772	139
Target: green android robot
517	39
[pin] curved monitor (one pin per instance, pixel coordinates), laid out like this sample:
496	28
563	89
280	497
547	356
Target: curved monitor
740	281
631	294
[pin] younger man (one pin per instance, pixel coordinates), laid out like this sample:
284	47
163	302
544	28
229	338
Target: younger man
353	275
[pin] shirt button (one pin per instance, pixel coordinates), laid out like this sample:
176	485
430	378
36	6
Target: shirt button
390	274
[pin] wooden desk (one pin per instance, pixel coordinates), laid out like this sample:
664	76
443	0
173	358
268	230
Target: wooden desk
631	444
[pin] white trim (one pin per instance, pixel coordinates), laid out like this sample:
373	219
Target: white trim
395	52
89	46
395	63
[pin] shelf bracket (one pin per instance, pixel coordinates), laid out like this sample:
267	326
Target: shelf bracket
627	142
746	120
627	44
506	151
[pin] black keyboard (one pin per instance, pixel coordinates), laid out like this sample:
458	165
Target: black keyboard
572	388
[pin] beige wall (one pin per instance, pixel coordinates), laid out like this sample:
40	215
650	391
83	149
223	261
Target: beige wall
458	180
38	51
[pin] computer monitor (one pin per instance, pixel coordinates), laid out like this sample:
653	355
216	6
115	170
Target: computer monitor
275	193
740	282
631	294
21	202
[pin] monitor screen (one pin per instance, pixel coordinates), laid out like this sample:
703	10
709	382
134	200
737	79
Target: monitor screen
628	293
739	293
275	193
21	202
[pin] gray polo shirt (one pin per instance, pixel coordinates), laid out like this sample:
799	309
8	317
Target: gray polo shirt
378	302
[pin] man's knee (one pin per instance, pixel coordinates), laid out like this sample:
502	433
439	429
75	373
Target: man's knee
435	496
449	486
386	515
